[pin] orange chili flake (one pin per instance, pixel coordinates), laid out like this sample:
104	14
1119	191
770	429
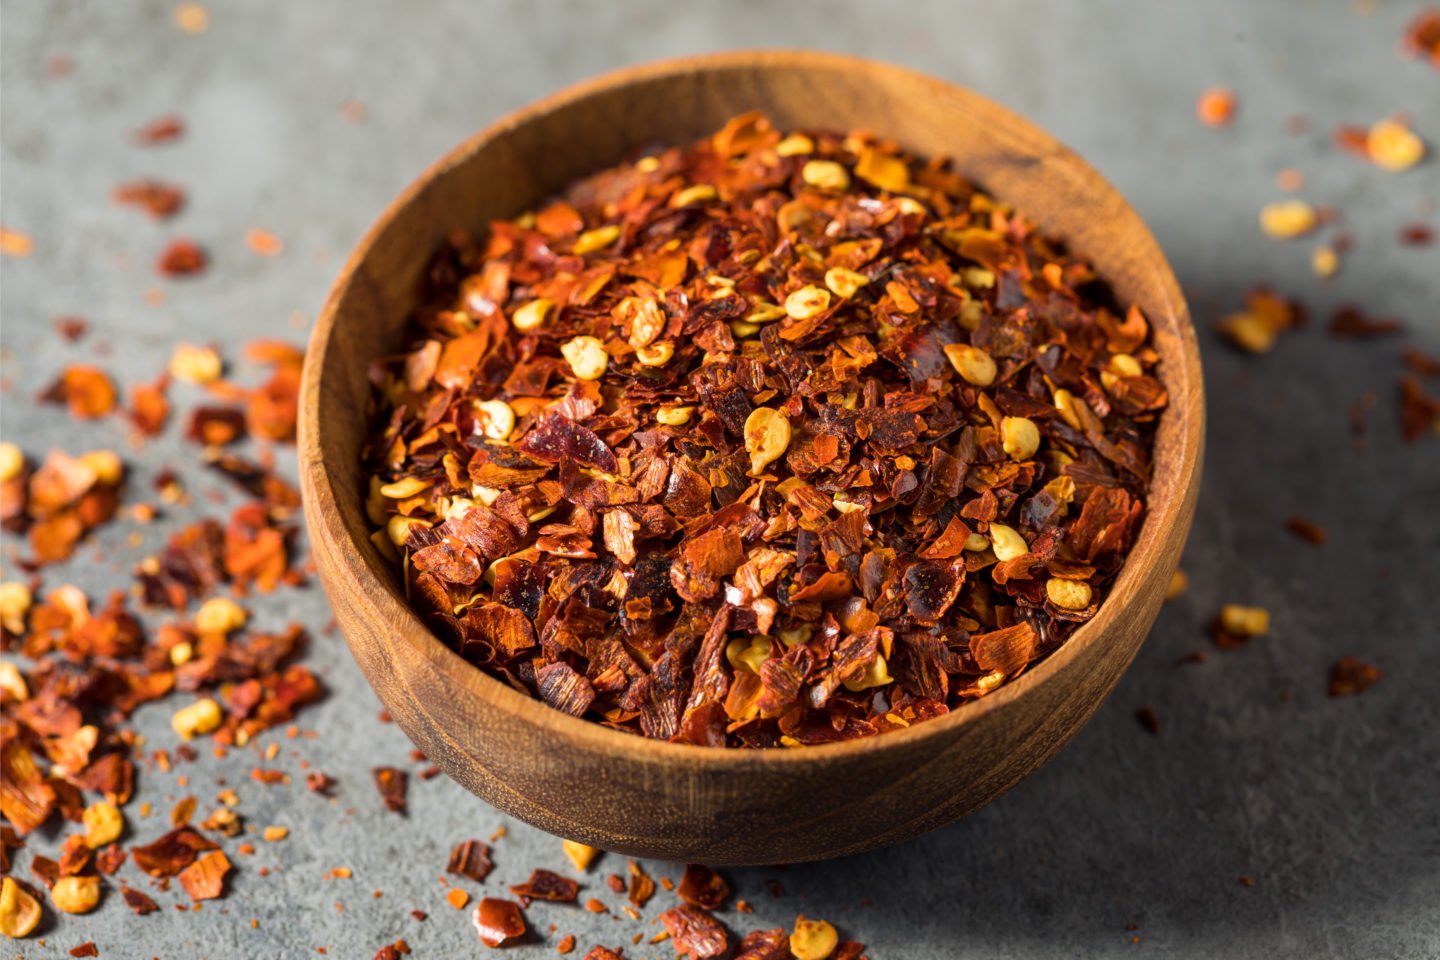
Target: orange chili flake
566	944
87	391
13	243
457	898
1351	675
182	258
1422	37
1216	107
263	242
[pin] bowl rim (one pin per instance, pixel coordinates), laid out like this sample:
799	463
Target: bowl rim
324	521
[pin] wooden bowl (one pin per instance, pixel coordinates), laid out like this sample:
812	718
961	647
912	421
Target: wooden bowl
622	792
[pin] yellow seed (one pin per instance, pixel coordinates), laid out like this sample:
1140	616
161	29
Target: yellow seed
1179	580
656	354
191	17
580	854
1065	406
825	175
747	653
813	939
843	282
795	145
12	461
103	824
1245	621
744	328
909	205
1394	146
1125	365
807	302
796	636
1068	594
1325	262
109	470
586	356
848	506
976	542
496	418
971	313
674	416
1249	332
1007	542
979	278
875	675
1287	218
597	239
198	719
1020	437
532	315
275	834
195	364
647	164
220	615
182	653
15	601
764	312
406	487
398	529
75	894
973	364
12	682
699	193
767	435
19	912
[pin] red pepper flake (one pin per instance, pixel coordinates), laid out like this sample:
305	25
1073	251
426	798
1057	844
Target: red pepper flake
86	949
457	898
71	328
160	130
470	858
615	882
420	915
392	783
205	878
264	242
321	783
729	359
137	901
1351	675
498	921
393	951
172	853
182	258
1350	321
13	243
1306	530
1353	139
215	426
1216	107
566	944
642	887
149	406
1421	363
87	391
702	887
695	932
546	885
1417	235
1246	880
159	199
352	110
1422	37
1419	410
1149	719
604	953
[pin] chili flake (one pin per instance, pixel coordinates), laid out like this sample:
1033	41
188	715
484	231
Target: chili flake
744	490
1351	675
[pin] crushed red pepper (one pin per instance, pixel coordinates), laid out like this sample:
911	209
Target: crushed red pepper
763	441
182	258
1351	675
159	199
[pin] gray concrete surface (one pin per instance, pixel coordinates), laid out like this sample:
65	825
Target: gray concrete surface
1329	805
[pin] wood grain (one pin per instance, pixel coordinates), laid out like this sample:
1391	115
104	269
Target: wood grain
580	780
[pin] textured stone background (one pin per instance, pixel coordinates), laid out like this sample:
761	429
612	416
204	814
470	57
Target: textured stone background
1330	805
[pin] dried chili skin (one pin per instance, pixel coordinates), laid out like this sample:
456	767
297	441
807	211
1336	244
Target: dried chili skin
767	440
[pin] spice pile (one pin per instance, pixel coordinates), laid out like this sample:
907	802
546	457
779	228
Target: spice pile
767	440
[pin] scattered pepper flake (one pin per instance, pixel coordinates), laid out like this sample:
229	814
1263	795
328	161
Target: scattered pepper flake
1287	219
1351	675
498	921
392	783
470	858
1307	530
13	243
1392	145
160	130
1216	107
159	199
1149	719
264	242
457	898
182	258
191	17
